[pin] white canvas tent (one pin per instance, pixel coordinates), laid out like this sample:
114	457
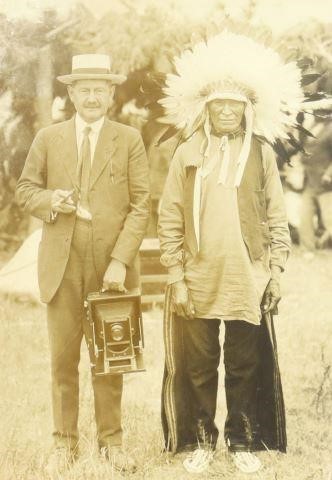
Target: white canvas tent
19	276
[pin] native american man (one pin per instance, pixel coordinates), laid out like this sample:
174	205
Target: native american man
225	241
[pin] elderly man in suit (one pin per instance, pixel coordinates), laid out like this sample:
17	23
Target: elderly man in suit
87	179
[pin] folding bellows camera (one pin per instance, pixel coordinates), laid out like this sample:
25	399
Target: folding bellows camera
115	332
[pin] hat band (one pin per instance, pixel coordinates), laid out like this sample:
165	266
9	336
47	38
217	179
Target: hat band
90	71
227	96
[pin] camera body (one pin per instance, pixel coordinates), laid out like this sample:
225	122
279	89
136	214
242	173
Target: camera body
114	332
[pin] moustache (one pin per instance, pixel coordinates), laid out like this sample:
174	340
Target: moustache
91	105
226	119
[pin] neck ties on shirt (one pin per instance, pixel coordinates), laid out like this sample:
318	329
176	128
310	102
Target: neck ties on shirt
224	147
85	162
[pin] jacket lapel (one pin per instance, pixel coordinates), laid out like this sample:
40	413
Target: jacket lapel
193	147
192	161
67	149
105	149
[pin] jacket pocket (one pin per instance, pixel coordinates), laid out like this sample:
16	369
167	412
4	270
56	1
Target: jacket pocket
117	172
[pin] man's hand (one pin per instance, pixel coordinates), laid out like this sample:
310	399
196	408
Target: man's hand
182	303
115	277
62	202
271	296
326	179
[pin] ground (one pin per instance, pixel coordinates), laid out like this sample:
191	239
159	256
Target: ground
304	332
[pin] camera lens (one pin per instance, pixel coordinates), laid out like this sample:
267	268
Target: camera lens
117	332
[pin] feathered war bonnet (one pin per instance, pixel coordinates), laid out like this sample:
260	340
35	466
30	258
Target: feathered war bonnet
235	66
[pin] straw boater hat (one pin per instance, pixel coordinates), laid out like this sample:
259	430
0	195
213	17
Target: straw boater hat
92	66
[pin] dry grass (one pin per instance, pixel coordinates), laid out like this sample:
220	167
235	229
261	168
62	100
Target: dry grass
304	330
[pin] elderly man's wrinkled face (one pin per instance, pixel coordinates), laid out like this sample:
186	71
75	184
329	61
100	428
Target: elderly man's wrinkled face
91	98
226	115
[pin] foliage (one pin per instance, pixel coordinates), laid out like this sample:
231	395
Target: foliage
22	41
140	42
311	42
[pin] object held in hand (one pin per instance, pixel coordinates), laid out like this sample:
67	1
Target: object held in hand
67	197
115	332
63	202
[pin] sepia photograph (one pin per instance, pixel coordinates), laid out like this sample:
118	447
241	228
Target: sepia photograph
166	239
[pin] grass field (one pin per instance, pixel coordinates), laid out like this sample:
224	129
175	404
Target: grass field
304	330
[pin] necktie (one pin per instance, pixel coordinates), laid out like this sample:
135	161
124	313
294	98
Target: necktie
85	168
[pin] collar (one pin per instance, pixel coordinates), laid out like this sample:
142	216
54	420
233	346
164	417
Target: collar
197	143
96	126
230	135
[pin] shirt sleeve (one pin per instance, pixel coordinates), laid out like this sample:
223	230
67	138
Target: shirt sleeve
171	221
276	210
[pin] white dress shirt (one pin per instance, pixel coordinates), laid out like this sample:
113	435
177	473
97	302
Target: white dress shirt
80	126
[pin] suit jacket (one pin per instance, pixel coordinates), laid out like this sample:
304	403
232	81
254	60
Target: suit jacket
118	197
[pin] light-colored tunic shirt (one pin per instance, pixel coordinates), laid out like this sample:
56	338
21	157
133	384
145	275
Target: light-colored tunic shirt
222	280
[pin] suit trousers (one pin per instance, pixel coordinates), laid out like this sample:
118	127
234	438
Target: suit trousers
241	360
66	326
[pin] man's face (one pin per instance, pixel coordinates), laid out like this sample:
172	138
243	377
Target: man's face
226	115
91	98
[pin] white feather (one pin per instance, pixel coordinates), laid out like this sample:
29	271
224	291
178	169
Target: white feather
230	61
